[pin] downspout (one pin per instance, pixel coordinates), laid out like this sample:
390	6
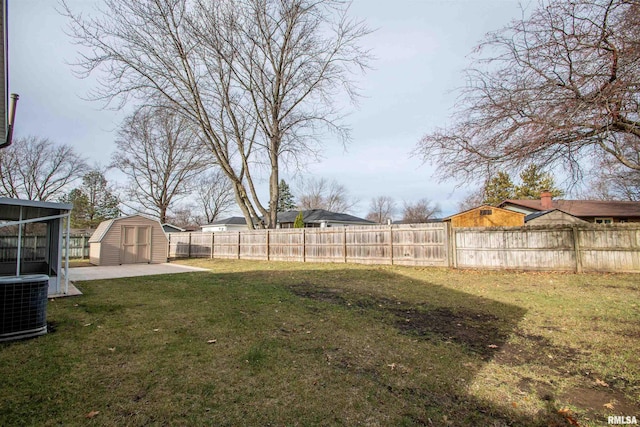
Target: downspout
13	102
12	115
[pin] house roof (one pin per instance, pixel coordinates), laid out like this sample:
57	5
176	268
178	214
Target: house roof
583	208
104	227
320	215
175	227
234	220
538	214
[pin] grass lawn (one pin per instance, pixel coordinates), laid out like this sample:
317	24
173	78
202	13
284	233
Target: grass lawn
77	262
258	343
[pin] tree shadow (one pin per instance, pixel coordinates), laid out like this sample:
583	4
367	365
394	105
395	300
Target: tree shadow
476	328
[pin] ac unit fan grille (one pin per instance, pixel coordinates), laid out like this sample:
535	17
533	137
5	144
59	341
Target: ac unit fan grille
23	301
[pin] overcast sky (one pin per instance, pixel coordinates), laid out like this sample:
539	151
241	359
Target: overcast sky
421	47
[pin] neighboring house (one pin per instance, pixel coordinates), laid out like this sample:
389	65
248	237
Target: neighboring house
320	218
234	223
312	218
170	228
128	240
486	216
594	211
552	217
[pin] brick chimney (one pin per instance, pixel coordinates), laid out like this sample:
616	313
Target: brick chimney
545	199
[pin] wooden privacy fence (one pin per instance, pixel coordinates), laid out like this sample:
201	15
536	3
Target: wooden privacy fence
420	244
34	247
589	247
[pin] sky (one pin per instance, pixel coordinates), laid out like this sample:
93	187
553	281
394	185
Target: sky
421	48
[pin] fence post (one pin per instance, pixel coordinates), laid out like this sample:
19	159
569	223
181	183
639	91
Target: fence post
391	241
267	244
189	247
576	248
168	246
304	246
344	243
83	245
239	244
451	247
212	242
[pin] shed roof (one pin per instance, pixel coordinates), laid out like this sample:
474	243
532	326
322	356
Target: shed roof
105	226
480	207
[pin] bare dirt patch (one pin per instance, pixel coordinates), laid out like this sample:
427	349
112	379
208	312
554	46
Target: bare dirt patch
479	332
484	335
595	400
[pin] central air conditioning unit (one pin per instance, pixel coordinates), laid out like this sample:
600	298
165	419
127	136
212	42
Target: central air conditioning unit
23	306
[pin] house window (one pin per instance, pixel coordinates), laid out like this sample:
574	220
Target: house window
486	212
604	221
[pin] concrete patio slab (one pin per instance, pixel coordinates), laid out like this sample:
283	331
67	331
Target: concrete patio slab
80	274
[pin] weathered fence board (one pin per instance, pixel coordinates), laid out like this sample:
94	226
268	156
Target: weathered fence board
606	248
515	248
421	244
34	247
610	248
591	247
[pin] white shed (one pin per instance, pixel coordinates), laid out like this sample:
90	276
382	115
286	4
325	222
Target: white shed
132	239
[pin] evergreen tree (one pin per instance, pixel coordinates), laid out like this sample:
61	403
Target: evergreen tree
93	202
498	189
533	182
80	202
286	201
102	203
299	222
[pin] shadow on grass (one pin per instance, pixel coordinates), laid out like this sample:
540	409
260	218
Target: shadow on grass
478	328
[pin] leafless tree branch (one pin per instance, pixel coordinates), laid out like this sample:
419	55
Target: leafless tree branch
559	88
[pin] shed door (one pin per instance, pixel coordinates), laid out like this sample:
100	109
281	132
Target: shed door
136	244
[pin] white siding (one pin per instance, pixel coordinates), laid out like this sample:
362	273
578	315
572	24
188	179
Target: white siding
108	251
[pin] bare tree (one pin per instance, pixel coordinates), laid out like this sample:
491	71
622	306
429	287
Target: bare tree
381	209
323	194
472	200
258	78
215	195
420	211
555	89
615	182
160	155
185	216
37	169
